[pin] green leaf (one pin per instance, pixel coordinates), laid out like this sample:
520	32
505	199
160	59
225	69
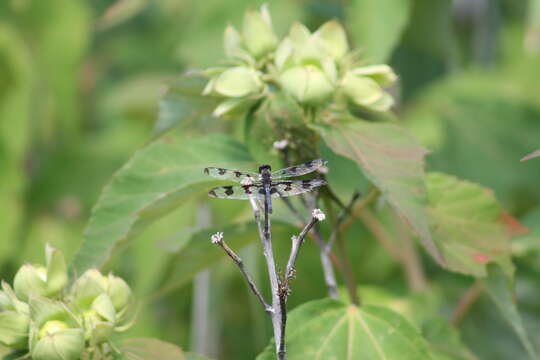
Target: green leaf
500	289
391	159
478	149
152	183
464	219
377	25
444	341
183	103
329	329
149	349
199	253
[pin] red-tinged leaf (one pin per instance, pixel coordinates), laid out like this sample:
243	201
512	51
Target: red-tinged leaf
513	226
392	159
465	223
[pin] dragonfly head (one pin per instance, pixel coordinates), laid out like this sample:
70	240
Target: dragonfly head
264	169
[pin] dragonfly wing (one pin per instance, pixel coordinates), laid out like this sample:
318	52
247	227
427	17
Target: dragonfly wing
233	175
299	170
243	192
290	188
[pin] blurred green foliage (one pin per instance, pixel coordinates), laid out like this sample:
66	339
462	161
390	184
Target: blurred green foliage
80	83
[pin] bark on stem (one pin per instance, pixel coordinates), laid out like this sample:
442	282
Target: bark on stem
277	305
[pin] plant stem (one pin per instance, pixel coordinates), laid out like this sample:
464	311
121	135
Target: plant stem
278	314
297	242
466	301
328	270
238	261
416	277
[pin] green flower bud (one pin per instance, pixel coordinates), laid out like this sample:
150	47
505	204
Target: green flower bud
307	84
382	74
232	41
42	281
334	39
365	91
30	280
259	37
55	333
99	321
59	343
237	82
87	288
104	302
119	292
14	329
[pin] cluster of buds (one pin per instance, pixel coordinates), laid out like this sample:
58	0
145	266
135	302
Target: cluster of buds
42	316
312	68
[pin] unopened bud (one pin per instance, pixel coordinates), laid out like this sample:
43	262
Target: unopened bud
259	37
217	238
318	214
237	82
307	84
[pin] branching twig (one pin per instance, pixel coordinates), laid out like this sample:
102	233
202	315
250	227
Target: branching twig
297	242
341	218
218	239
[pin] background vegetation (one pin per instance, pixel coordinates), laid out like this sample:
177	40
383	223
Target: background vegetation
80	85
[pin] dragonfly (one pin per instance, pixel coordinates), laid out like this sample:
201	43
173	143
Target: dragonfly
266	184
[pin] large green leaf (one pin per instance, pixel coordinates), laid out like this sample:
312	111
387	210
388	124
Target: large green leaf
479	131
329	329
500	288
149	349
377	26
198	252
465	223
183	103
391	159
153	182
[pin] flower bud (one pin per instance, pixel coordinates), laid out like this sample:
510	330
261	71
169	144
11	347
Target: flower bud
365	91
334	39
382	74
59	343
119	292
55	334
259	37
43	281
30	280
14	329
237	82
307	84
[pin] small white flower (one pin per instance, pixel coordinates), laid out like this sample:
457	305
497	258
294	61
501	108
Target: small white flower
248	180
217	238
318	214
281	144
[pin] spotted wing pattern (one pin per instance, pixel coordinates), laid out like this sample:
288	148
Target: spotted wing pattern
243	192
290	188
233	175
299	170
